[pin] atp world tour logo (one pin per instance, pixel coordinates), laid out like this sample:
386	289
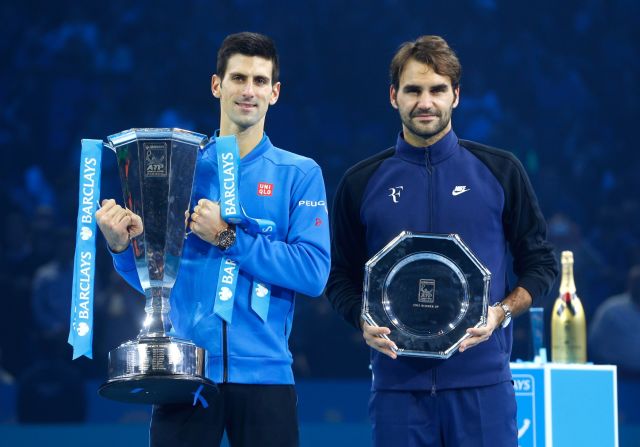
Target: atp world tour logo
427	291
155	159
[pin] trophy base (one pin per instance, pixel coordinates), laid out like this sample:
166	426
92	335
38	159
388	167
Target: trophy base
157	370
157	390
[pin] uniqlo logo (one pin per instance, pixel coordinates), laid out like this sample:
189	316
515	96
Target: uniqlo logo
265	189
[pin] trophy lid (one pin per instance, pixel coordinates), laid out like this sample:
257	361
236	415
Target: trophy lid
152	133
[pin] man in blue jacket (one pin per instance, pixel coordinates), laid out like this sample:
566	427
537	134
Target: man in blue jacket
432	182
249	357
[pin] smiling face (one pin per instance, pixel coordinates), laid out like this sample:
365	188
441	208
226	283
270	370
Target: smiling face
425	101
245	93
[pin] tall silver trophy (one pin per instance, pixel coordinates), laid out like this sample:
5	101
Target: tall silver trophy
157	168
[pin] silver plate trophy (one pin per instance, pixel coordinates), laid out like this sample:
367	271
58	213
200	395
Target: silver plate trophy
428	289
157	168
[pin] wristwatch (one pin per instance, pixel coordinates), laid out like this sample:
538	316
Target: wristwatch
507	313
226	238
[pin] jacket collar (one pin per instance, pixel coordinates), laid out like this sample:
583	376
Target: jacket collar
437	152
263	146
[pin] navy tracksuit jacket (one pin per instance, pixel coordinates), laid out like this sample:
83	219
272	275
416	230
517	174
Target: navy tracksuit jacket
454	186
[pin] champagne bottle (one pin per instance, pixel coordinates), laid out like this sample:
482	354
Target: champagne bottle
568	326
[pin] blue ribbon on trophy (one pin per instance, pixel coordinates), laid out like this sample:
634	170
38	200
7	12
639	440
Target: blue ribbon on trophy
81	319
233	212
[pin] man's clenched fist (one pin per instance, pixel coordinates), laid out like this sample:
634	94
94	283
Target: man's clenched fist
118	225
206	221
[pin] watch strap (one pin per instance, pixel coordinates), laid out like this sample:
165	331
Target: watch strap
507	313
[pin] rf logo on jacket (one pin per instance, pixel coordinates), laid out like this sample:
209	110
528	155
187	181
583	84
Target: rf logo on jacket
395	193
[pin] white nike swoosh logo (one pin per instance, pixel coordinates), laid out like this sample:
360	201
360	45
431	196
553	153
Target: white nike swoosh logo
458	192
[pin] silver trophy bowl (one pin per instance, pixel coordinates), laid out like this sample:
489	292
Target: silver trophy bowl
157	168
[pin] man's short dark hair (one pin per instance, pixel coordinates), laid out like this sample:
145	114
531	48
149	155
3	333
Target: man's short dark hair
432	51
248	44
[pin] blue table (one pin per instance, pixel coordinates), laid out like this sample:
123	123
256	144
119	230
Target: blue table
566	405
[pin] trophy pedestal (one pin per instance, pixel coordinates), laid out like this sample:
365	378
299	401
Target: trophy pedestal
157	370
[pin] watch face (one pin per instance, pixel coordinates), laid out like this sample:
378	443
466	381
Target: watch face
226	238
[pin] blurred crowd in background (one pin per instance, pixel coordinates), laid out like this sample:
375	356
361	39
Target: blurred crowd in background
557	86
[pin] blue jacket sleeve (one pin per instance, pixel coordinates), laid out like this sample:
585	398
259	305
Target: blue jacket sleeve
125	265
301	261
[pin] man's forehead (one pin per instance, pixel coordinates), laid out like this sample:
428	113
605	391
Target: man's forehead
416	72
240	63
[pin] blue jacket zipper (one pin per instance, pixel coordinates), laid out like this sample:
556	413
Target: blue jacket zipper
430	172
225	354
433	380
430	230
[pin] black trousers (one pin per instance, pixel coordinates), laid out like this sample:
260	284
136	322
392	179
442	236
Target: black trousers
252	415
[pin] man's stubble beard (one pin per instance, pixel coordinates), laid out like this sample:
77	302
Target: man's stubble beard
443	122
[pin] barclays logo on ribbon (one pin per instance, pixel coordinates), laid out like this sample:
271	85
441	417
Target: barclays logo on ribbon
81	332
229	195
82	329
233	212
86	233
261	290
225	293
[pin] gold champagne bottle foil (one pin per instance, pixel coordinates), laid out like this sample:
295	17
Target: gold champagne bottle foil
568	324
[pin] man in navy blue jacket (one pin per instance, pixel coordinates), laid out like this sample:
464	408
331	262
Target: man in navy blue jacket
432	182
248	357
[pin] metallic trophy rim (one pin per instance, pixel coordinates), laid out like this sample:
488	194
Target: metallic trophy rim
129	135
